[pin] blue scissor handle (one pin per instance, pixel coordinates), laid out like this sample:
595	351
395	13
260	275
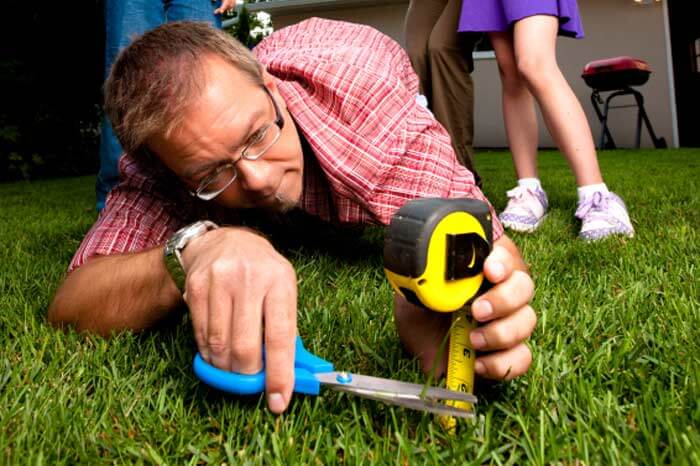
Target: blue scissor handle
306	364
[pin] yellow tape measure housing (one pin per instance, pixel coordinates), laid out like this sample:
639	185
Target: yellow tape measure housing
434	251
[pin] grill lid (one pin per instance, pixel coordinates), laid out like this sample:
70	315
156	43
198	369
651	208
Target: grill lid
616	73
609	65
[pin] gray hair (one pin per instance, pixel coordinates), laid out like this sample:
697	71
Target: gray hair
160	74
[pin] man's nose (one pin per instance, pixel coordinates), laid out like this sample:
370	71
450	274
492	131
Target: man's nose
255	176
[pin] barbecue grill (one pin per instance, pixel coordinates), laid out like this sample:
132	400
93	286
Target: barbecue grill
618	75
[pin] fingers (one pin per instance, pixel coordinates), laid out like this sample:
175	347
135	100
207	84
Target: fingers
246	335
237	283
225	6
498	265
513	287
280	334
197	298
218	339
502	300
504	365
506	332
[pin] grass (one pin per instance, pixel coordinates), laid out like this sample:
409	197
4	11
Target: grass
615	377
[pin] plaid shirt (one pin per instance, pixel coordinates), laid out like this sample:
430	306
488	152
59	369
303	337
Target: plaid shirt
352	93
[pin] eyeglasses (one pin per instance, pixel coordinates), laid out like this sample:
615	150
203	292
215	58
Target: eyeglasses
256	146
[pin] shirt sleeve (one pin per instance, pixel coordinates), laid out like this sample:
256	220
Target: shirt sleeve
138	216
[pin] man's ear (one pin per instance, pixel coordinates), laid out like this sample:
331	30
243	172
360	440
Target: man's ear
270	82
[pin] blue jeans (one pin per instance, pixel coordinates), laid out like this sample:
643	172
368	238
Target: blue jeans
125	20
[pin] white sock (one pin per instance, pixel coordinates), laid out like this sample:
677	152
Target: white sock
588	190
532	183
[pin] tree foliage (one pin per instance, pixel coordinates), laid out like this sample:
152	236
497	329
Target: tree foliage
51	76
51	72
248	28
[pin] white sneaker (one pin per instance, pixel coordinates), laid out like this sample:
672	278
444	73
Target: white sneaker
526	209
602	215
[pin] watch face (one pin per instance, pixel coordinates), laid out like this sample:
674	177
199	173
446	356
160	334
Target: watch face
183	236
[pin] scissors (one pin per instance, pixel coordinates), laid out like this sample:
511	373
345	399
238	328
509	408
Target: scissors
310	372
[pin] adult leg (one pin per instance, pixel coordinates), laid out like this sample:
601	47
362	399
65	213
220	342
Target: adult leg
450	57
124	20
193	10
535	54
518	108
421	17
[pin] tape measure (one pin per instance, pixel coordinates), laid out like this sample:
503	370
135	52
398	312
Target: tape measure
434	252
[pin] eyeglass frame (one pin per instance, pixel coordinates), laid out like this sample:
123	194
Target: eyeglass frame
279	122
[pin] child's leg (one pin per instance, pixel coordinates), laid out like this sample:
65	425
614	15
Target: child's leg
518	108
602	213
527	203
535	54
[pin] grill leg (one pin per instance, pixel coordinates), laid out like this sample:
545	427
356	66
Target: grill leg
606	140
595	99
659	143
603	118
610	144
640	111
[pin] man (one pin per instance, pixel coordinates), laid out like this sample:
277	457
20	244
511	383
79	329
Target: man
331	126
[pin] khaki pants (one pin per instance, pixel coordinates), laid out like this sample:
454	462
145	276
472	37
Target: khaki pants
443	61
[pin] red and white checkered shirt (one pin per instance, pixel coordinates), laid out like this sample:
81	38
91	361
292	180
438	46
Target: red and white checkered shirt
352	93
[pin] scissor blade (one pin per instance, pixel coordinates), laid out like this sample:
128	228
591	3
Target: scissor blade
434	407
406	394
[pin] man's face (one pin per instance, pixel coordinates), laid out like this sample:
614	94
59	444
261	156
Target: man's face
218	125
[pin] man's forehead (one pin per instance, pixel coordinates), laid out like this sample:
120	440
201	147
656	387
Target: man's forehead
216	67
212	129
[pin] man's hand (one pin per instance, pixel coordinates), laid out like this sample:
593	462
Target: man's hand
236	285
505	316
225	6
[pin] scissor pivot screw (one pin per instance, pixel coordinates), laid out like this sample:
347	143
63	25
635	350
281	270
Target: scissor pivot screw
344	377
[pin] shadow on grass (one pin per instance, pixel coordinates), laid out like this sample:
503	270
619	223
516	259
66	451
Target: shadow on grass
297	232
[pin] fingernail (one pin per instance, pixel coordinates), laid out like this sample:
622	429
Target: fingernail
477	339
497	270
275	402
479	367
482	309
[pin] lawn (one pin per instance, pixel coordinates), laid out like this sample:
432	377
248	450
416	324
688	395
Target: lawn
615	377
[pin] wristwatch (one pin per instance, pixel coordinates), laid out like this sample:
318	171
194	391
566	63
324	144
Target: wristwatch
172	252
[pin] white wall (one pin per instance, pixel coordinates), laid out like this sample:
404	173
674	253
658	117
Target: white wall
387	17
613	27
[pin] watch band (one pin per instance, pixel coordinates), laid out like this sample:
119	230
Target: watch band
172	252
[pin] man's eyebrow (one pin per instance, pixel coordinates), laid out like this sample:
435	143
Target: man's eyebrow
208	166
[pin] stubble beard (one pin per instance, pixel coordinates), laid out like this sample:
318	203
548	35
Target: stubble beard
284	203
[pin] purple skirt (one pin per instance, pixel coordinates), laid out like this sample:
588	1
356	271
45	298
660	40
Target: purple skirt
499	15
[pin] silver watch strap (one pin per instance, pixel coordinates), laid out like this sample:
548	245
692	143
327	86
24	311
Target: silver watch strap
172	252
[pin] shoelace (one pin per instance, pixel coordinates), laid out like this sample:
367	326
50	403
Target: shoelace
518	197
597	202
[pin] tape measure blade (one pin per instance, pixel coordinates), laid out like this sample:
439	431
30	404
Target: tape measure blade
461	356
